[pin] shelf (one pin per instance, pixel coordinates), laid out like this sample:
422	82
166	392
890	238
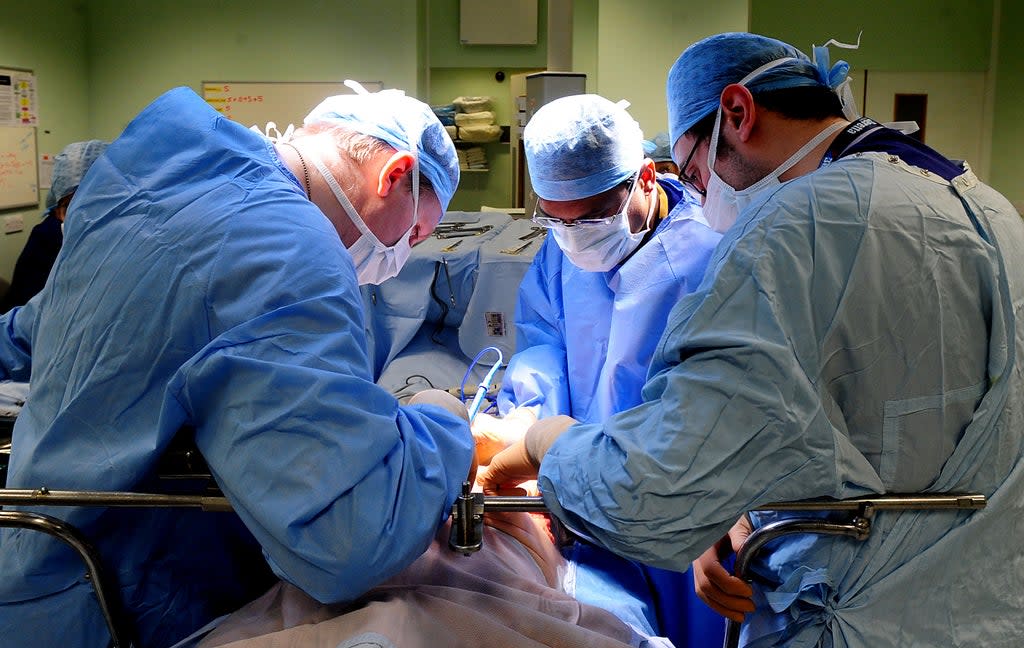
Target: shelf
463	170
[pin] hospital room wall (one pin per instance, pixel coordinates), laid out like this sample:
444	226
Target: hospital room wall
140	49
943	48
627	48
98	63
1007	125
47	37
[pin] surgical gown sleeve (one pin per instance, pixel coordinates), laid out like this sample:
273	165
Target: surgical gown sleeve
731	417
342	487
537	375
16	342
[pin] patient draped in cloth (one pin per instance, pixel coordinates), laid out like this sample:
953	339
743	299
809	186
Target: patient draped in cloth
504	595
508	594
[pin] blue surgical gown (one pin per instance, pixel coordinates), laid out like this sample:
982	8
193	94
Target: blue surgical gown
584	342
198	288
857	332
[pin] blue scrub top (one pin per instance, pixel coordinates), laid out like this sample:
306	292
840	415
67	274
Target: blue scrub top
584	340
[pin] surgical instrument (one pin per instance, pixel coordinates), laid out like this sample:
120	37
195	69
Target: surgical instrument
459	233
534	233
518	249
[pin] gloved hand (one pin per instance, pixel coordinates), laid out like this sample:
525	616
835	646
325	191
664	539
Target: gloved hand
724	593
446	401
521	461
493	434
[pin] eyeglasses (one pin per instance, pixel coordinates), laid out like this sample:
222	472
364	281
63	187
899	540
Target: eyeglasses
690	181
542	218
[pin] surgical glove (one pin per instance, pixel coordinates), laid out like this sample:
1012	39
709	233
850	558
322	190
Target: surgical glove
493	434
444	400
521	461
542	435
721	591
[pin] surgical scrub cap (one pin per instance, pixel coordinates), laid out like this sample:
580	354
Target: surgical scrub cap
658	149
699	75
70	166
406	124
579	146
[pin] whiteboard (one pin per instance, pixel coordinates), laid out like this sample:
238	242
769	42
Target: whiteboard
282	102
19	179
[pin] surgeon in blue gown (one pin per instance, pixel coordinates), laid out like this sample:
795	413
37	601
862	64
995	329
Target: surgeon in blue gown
856	333
208	285
624	245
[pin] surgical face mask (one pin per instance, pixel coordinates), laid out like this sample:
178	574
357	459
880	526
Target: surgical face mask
598	244
722	203
374	261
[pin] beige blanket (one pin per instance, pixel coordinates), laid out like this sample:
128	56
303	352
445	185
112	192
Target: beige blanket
505	595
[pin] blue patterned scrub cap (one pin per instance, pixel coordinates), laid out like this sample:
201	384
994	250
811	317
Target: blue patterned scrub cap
700	74
70	166
405	123
581	145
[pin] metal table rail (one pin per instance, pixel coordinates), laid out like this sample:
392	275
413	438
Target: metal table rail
858	526
467	526
110	607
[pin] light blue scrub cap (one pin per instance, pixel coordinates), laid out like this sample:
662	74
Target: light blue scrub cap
579	146
699	75
70	166
658	149
393	117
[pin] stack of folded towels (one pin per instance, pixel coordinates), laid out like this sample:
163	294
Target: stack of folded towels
475	120
472	158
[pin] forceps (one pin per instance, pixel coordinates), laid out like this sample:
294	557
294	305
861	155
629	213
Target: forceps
518	249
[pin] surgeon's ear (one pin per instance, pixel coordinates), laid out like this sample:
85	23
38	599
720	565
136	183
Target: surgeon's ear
398	165
648	176
738	110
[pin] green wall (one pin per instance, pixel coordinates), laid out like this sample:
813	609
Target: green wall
49	38
1007	126
899	35
923	36
637	43
140	48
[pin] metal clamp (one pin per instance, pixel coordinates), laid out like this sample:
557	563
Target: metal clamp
467	533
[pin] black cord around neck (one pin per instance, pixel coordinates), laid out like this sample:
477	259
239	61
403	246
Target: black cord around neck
305	169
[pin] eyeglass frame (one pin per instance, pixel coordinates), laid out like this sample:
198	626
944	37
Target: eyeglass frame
543	219
690	181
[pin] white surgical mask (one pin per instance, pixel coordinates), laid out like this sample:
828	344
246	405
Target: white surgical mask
722	203
601	244
374	261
